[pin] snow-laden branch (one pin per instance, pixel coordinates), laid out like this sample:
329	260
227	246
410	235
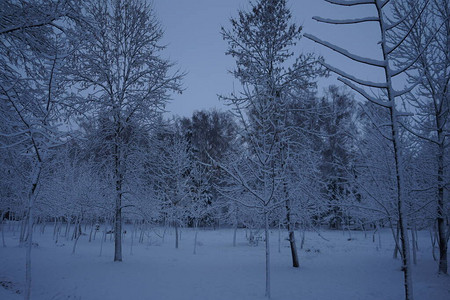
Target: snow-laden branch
346	21
350	2
380	85
363	93
364	60
405	91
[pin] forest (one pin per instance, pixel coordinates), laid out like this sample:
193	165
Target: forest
90	156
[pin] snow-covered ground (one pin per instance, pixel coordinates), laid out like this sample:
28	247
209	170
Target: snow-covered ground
340	268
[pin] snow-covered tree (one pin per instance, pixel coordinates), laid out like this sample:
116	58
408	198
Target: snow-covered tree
426	25
118	68
387	99
32	52
337	129
173	182
210	134
261	41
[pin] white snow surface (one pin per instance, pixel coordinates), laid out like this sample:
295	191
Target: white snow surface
340	268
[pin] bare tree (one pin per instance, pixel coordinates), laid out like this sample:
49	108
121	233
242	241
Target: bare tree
428	37
386	100
119	67
261	41
32	51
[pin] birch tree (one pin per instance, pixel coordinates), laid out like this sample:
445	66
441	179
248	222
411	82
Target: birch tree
119	67
387	99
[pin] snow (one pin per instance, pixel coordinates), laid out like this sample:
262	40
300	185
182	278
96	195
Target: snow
347	266
364	60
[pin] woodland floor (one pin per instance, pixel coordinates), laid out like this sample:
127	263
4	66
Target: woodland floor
347	265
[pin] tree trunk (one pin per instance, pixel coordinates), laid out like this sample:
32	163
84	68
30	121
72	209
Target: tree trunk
90	232
54	228
397	248
69	223
234	235
279	237
75	229
31	198
118	234
291	228
443	241
3	229
176	235
266	229
433	244
414	248
103	239
195	237
118	208
76	240
23	225
132	237
302	243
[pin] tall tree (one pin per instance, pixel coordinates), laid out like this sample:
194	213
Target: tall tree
118	65
387	100
338	127
261	41
427	44
32	52
210	134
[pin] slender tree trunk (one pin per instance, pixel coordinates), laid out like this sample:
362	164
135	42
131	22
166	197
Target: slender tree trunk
302	243
235	225
95	231
23	225
58	230
69	223
132	237
433	244
31	198
195	237
76	238
234	235
279	237
414	249
75	229
443	240
417	238
103	239
291	229
141	236
54	228
90	232
2	223
176	235
400	185
118	208
397	248
266	229
118	234
405	249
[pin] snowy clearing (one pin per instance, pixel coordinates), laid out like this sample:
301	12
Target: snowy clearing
335	269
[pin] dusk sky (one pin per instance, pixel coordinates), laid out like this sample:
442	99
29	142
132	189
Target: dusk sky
194	42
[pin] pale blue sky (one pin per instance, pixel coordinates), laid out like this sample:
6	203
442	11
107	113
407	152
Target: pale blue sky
192	35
